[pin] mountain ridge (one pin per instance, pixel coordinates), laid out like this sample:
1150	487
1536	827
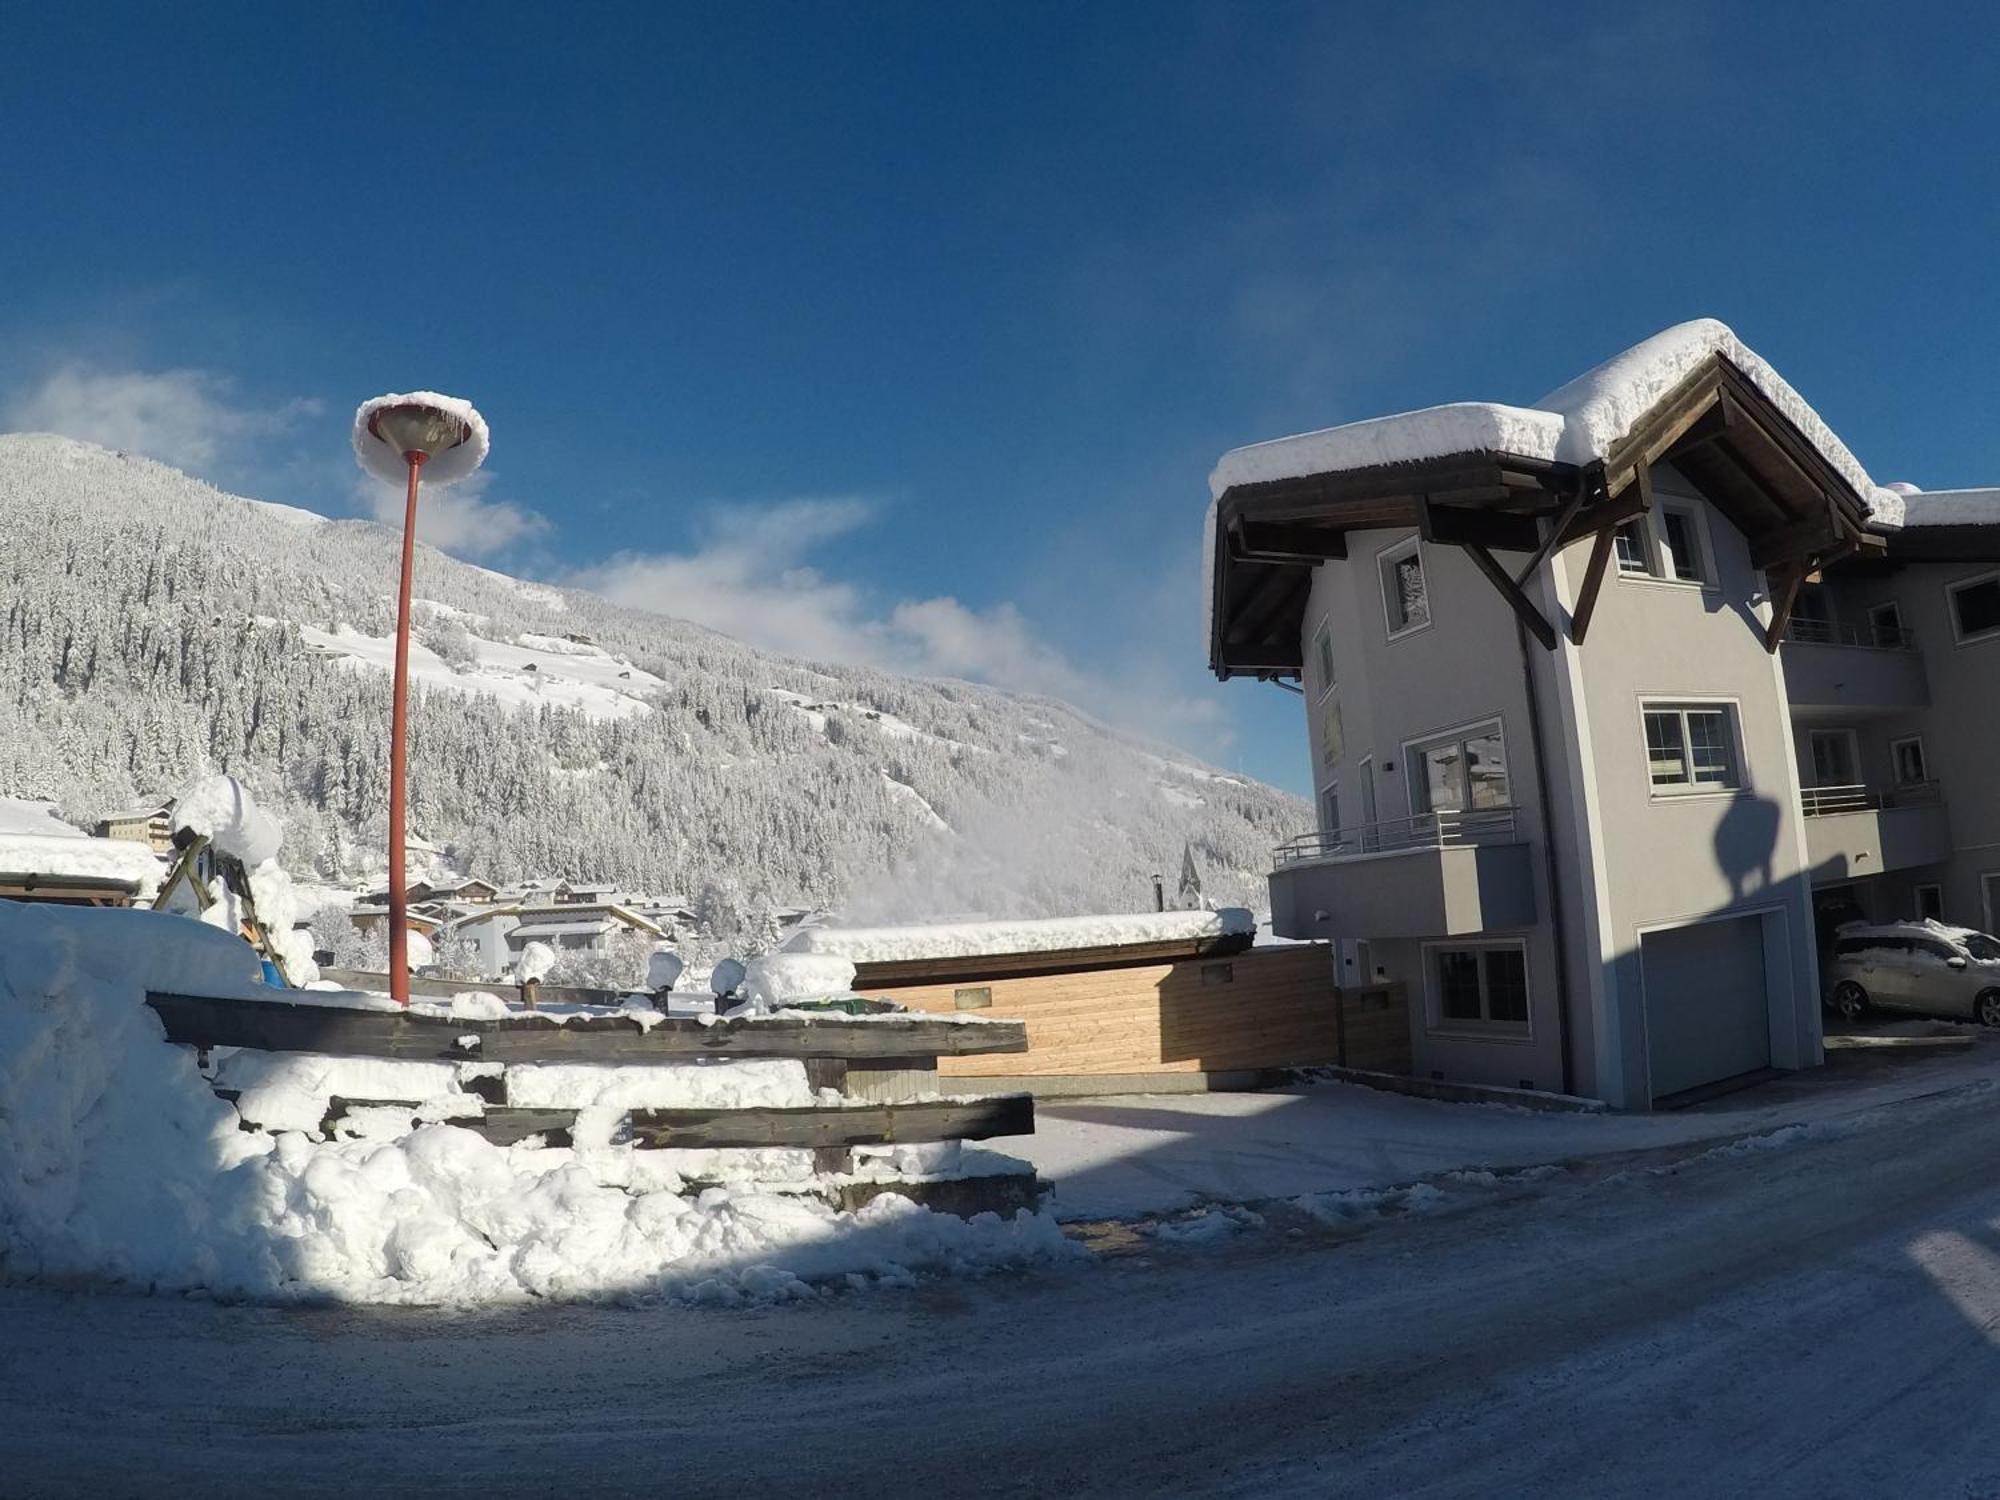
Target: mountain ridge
156	624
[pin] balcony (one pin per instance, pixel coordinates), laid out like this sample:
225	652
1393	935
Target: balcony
1443	874
1853	668
1854	831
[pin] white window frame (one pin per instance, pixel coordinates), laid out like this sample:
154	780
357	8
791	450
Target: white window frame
1385	559
1895	761
1435	1023
1697	519
1413	784
1813	736
1917	899
1649	557
1874	611
1329	794
1659	561
1732	718
1951	592
1322	657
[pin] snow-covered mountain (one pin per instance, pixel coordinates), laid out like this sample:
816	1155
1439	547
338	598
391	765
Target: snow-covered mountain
154	625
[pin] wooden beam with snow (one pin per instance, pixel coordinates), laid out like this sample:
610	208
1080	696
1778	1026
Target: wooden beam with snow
282	1026
817	1127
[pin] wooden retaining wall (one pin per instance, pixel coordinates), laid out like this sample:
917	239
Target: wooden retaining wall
1258	1008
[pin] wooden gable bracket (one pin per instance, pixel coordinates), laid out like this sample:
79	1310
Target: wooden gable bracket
1785	595
1522	605
1635	501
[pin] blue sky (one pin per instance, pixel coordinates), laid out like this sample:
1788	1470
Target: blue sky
909	333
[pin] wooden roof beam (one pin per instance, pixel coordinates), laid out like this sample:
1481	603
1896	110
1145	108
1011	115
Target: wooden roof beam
1275	542
1523	607
1463	526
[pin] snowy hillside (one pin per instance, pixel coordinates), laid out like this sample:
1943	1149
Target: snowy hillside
153	624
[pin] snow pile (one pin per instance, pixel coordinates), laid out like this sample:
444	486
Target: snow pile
1577	424
117	1161
384	462
778	979
221	809
1951	508
23	815
877	945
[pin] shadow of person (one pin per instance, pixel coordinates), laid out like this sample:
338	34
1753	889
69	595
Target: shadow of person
1745	840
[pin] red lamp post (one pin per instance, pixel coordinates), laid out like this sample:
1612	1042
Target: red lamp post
399	437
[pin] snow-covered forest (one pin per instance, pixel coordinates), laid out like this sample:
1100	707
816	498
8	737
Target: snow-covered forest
152	625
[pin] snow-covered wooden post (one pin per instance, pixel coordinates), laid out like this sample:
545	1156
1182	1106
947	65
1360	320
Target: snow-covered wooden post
403	438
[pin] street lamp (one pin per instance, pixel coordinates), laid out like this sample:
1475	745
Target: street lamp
399	438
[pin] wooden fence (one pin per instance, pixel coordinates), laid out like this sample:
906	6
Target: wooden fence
884	1067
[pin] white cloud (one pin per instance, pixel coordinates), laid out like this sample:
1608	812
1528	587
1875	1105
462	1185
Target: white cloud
751	577
191	419
455	518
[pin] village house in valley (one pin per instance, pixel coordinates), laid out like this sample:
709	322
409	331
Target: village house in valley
1616	705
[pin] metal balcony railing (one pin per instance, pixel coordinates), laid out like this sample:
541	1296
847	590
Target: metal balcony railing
1822	801
1868	637
1431	830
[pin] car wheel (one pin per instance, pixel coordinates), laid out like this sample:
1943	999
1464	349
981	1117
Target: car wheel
1850	1002
1987	1008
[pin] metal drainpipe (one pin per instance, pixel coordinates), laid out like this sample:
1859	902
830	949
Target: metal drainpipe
1548	858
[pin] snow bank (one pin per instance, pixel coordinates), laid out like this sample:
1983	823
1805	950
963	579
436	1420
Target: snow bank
117	1161
1952	508
20	815
1577	423
866	945
384	462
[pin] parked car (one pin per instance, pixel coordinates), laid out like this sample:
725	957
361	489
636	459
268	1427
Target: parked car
1924	967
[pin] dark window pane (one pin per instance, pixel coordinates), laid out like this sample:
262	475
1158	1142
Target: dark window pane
1458	985
1682	542
1630	542
1486	771
1666	756
1978	607
1506	985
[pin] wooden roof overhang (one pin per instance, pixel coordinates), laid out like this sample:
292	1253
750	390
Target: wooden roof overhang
1944	544
1797	510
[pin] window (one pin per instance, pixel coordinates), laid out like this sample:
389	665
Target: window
1635	554
1975	608
1463	773
1906	757
1329	810
1330	734
1682	533
1690	749
1323	659
1930	903
1885	624
1405	599
1833	758
1482	988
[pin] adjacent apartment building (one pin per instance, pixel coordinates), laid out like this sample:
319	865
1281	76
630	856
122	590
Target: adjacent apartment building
1616	704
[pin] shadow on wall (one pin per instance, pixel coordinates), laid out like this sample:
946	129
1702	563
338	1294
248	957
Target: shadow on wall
1745	841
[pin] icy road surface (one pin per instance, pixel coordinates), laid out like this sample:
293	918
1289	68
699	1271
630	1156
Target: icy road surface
1812	1319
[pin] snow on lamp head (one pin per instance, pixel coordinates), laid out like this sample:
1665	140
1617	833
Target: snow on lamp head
448	432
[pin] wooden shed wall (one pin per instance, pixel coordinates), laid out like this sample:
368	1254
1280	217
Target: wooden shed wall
1275	1009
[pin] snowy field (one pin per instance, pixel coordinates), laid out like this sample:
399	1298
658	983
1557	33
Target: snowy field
1814	1319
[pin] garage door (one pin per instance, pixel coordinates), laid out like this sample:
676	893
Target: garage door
1706	1013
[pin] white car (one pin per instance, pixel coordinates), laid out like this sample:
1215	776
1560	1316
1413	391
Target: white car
1924	967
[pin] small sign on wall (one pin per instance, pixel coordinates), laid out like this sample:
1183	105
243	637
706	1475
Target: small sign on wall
979	997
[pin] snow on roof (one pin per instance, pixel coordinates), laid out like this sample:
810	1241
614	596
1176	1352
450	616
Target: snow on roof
26	815
1949	507
61	856
866	945
382	461
1577	423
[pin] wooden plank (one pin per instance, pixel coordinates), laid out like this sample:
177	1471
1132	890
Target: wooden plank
847	1125
281	1026
976	968
1271	541
1523	607
1593	584
1464	526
